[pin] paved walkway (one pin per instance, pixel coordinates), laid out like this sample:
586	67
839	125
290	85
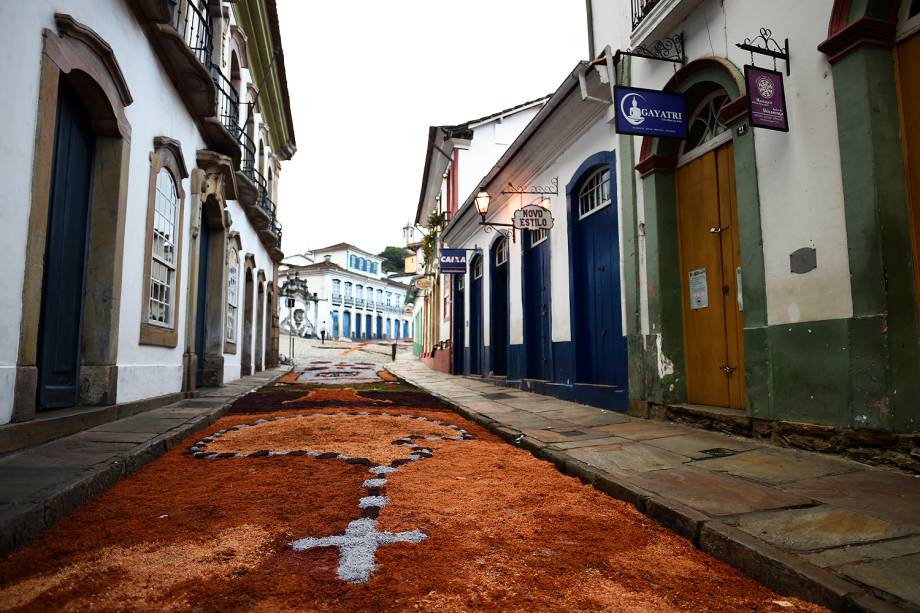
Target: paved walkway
40	484
820	527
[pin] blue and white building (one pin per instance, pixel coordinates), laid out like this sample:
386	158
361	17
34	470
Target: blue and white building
354	298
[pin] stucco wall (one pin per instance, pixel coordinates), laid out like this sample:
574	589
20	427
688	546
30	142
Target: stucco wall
800	189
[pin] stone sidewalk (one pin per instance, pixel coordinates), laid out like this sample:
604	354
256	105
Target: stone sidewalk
40	484
830	530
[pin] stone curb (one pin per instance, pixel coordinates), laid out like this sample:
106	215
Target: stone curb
782	572
25	522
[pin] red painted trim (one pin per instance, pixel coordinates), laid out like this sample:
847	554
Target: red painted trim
656	163
840	17
864	32
735	110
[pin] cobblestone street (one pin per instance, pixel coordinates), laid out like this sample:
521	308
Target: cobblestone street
339	487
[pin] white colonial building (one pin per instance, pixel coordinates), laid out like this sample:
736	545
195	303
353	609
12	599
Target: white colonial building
144	144
350	296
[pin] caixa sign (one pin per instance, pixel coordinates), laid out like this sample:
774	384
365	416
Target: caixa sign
452	261
648	112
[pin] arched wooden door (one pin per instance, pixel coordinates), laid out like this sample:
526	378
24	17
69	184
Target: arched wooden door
710	264
379	327
346	324
368	323
458	340
358	325
498	307
476	266
537	304
61	318
600	347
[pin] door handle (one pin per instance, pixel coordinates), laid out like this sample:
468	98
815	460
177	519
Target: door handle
716	230
728	370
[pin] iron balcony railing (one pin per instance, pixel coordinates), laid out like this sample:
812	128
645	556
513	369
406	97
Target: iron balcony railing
194	25
228	103
359	302
336	298
641	9
349	301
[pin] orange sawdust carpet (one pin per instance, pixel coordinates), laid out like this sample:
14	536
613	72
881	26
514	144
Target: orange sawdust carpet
502	530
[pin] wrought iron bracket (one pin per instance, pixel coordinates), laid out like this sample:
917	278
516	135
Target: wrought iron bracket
670	49
540	190
765	44
499	227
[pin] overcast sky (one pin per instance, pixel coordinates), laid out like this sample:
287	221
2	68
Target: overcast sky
367	78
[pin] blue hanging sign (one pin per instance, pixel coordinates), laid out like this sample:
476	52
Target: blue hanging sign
452	261
648	112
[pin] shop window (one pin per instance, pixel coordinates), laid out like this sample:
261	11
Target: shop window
595	193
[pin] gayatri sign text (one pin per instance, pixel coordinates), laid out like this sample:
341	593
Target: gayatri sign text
533	217
647	112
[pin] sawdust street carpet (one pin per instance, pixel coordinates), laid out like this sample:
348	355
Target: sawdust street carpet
340	488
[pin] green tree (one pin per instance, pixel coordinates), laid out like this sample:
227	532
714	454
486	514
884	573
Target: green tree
394	259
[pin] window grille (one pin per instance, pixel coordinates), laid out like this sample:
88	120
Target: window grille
163	266
595	193
538	236
233	295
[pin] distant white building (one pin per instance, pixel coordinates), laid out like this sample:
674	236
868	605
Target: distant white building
350	296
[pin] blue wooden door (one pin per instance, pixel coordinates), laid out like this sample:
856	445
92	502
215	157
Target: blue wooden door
335	324
368	321
61	318
537	304
379	327
389	328
406	329
476	315
346	323
358	325
456	326
498	307
600	348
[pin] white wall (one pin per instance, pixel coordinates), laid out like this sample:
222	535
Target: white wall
157	110
800	188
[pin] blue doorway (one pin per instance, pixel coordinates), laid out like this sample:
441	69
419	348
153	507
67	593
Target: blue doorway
537	304
379	327
61	317
368	321
476	315
498	306
346	323
405	329
389	328
358	325
594	260
456	325
335	324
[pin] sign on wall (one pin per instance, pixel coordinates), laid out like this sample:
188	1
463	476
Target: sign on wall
699	289
648	112
766	98
452	261
533	217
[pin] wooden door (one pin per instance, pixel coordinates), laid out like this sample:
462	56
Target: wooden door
498	312
908	55
710	262
476	316
537	308
457	328
61	317
600	349
204	250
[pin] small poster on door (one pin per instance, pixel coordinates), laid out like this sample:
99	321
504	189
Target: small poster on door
699	289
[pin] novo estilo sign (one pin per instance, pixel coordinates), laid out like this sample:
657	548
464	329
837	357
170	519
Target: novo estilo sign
649	112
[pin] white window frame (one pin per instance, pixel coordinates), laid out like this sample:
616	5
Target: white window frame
907	26
233	295
501	253
538	236
477	268
593	186
166	298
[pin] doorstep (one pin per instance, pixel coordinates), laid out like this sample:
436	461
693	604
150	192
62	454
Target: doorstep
826	529
45	482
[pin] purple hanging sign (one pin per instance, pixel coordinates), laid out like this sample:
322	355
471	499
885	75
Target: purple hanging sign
766	98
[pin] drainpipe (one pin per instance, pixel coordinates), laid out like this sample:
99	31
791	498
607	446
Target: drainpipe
590	14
